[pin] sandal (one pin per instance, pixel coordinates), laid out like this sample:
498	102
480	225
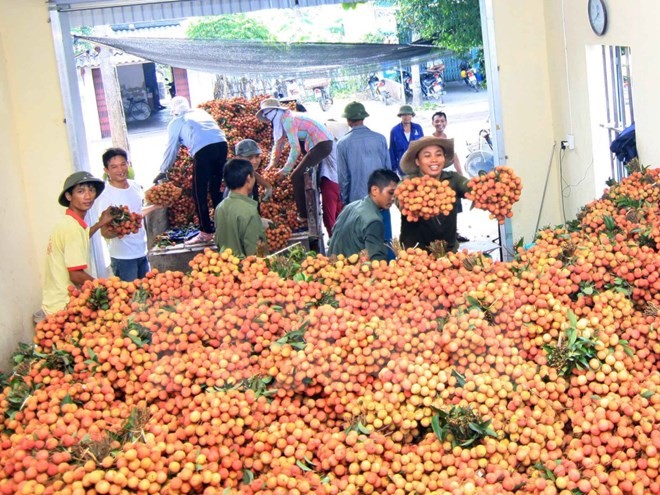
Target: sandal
201	238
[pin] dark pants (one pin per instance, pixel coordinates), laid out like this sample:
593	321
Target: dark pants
387	224
129	270
207	178
311	159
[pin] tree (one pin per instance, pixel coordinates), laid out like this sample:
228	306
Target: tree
229	27
452	24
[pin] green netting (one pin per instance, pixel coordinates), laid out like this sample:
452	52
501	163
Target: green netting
259	58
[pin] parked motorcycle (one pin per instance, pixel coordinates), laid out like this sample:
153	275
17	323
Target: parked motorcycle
321	88
322	95
469	76
432	85
377	89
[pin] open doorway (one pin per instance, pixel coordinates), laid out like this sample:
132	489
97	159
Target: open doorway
612	109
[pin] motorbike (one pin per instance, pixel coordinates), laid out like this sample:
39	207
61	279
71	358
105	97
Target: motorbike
321	88
377	89
322	95
372	82
469	76
432	85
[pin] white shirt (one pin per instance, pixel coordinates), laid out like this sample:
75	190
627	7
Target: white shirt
328	166
130	246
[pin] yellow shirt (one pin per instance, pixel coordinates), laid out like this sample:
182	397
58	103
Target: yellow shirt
68	250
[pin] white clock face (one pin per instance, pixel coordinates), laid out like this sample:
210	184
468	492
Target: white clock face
597	16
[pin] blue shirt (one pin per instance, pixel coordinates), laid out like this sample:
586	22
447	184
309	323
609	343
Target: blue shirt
359	152
194	129
399	143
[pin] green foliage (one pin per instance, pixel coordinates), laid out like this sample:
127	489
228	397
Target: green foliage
462	425
82	46
572	350
139	334
229	27
453	24
98	299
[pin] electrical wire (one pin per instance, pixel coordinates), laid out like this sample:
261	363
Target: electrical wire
545	186
565	186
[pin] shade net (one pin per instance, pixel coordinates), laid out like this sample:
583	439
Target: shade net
259	58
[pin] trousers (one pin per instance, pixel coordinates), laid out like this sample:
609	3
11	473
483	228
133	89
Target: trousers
208	164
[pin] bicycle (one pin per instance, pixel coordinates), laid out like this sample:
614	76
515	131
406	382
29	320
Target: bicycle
137	109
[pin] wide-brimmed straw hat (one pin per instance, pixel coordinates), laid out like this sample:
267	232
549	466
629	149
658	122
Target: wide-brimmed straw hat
407	163
269	104
76	179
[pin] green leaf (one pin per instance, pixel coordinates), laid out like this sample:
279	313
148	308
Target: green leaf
472	301
303	466
460	379
437	428
136	340
572	319
610	224
363	429
647	394
248	476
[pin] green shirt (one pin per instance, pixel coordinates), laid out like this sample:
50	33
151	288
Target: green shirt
359	226
238	225
440	228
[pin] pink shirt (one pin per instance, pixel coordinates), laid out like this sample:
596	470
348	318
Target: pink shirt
299	127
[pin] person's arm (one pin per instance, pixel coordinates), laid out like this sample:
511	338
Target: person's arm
391	150
172	149
374	241
387	163
268	188
291	130
343	174
460	185
275	153
104	221
254	232
79	277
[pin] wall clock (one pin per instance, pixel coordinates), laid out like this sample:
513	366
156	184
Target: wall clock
597	16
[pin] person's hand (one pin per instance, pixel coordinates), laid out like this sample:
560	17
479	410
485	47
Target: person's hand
106	217
268	193
270	165
283	172
160	177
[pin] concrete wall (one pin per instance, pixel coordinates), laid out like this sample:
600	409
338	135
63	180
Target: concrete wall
35	162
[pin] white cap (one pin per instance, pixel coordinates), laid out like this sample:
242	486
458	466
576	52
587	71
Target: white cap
179	105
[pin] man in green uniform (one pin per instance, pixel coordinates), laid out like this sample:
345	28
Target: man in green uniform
360	224
237	220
